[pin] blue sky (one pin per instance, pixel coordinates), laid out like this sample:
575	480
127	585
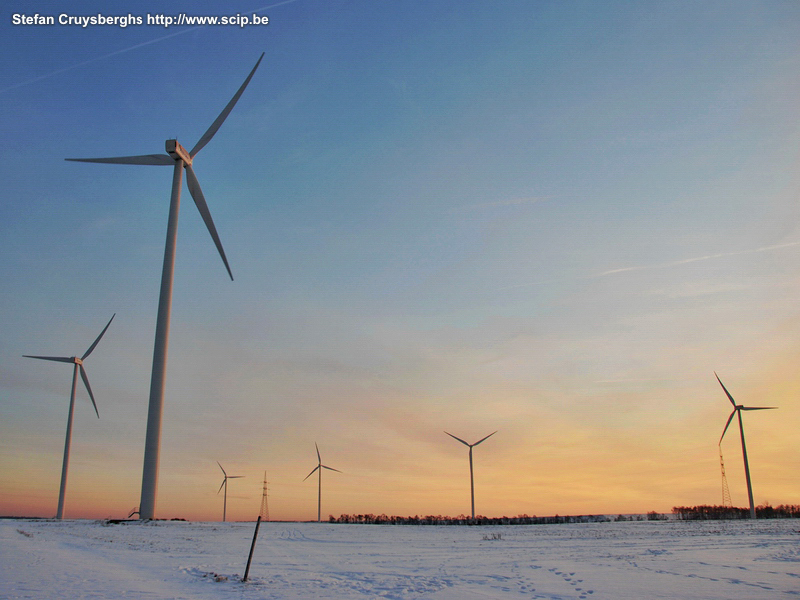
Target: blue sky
552	219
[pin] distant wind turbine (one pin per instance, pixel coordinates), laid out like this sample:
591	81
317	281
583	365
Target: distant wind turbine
319	468
737	410
78	362
471	480
179	158
225	485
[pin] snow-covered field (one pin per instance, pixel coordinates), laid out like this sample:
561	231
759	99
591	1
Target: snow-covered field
176	560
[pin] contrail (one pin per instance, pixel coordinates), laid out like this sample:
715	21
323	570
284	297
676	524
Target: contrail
674	263
123	50
503	203
685	261
95	59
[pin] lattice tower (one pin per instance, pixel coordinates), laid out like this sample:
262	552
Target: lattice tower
264	512
726	493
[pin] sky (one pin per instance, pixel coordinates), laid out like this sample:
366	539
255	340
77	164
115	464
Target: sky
556	220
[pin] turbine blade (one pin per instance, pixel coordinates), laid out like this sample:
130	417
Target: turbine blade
330	468
200	201
724	431
144	159
457	438
224	114
486	438
221	485
99	337
64	359
312	472
89	389
319	458
727	393
759	407
223	470
235	476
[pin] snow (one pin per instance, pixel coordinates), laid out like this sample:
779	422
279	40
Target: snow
182	560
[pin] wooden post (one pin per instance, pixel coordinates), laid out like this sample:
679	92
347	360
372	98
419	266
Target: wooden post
252	547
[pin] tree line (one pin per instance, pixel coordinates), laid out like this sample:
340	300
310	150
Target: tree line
705	512
370	519
702	512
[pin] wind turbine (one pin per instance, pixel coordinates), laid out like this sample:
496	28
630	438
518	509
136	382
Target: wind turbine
319	468
225	485
471	480
737	410
178	157
78	366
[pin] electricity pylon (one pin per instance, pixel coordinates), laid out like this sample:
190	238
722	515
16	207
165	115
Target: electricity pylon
264	512
726	493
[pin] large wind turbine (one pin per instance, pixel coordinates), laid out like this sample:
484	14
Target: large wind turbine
78	366
225	485
178	157
471	480
737	410
319	468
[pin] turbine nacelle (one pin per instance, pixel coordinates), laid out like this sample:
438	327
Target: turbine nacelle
737	408
467	444
178	152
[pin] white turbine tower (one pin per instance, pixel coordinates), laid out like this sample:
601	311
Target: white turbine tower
471	480
225	485
181	159
319	468
737	410
78	366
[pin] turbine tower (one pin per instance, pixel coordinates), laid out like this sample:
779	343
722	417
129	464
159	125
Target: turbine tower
78	366
225	485
319	468
180	159
471	480
737	410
